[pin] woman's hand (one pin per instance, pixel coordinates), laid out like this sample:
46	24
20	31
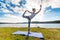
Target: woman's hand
40	5
26	10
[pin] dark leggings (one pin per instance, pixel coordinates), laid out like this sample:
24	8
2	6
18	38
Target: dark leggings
26	17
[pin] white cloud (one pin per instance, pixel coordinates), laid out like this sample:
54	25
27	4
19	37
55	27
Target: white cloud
18	10
3	5
8	1
12	18
54	3
5	10
16	2
30	4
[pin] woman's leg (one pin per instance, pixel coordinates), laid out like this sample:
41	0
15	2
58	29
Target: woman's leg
25	16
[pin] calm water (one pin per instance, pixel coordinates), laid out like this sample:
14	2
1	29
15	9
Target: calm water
32	25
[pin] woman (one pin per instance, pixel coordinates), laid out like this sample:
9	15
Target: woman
33	13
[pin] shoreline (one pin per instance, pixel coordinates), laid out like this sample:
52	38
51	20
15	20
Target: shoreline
30	27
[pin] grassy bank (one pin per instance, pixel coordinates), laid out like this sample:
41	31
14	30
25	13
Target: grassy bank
49	34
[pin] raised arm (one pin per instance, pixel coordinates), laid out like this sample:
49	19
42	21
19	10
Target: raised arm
39	9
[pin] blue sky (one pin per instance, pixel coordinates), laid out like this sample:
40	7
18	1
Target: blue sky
53	14
12	10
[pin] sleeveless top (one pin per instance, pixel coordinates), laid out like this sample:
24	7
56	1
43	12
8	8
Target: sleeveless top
32	15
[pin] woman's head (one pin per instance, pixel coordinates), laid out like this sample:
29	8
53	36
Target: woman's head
33	9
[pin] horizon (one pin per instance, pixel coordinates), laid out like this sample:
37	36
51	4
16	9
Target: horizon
55	21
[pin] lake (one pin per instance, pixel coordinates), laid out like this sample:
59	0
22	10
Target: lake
51	25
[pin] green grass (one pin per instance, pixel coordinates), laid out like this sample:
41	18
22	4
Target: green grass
49	34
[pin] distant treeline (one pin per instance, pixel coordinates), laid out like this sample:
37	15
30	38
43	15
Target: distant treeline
31	22
48	22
